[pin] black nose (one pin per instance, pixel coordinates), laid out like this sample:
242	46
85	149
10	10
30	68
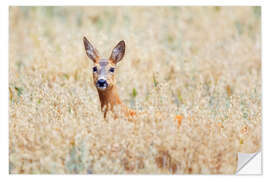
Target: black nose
102	83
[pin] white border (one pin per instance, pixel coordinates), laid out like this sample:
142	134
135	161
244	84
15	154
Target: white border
4	73
4	89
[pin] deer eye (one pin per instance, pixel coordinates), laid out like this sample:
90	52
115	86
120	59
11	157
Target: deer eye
111	69
95	69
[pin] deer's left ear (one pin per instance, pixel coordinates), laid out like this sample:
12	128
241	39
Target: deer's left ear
118	52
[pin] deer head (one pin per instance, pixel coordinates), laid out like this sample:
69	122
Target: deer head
103	69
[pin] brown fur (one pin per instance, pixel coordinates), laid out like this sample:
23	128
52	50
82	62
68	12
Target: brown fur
108	97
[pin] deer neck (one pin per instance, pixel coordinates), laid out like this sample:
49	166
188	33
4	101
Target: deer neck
108	99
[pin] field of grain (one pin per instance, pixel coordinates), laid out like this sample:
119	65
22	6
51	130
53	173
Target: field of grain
195	70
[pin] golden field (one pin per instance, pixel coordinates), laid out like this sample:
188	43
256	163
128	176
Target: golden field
195	70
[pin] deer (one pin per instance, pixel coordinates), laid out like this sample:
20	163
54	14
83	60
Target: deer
103	78
104	81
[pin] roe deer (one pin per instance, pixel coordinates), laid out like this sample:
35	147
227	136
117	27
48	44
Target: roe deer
103	76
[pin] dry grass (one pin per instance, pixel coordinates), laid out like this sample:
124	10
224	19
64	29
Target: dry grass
198	67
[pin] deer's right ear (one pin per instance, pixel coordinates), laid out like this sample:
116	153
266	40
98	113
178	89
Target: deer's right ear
90	50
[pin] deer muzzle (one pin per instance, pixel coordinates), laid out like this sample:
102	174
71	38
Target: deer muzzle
102	84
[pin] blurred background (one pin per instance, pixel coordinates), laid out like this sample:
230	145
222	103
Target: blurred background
203	63
170	41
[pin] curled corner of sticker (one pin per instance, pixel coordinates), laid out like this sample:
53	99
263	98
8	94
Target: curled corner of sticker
244	159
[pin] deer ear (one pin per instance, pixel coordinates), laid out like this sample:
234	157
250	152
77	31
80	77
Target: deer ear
118	52
90	50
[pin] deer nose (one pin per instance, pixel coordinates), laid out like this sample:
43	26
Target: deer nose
102	83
